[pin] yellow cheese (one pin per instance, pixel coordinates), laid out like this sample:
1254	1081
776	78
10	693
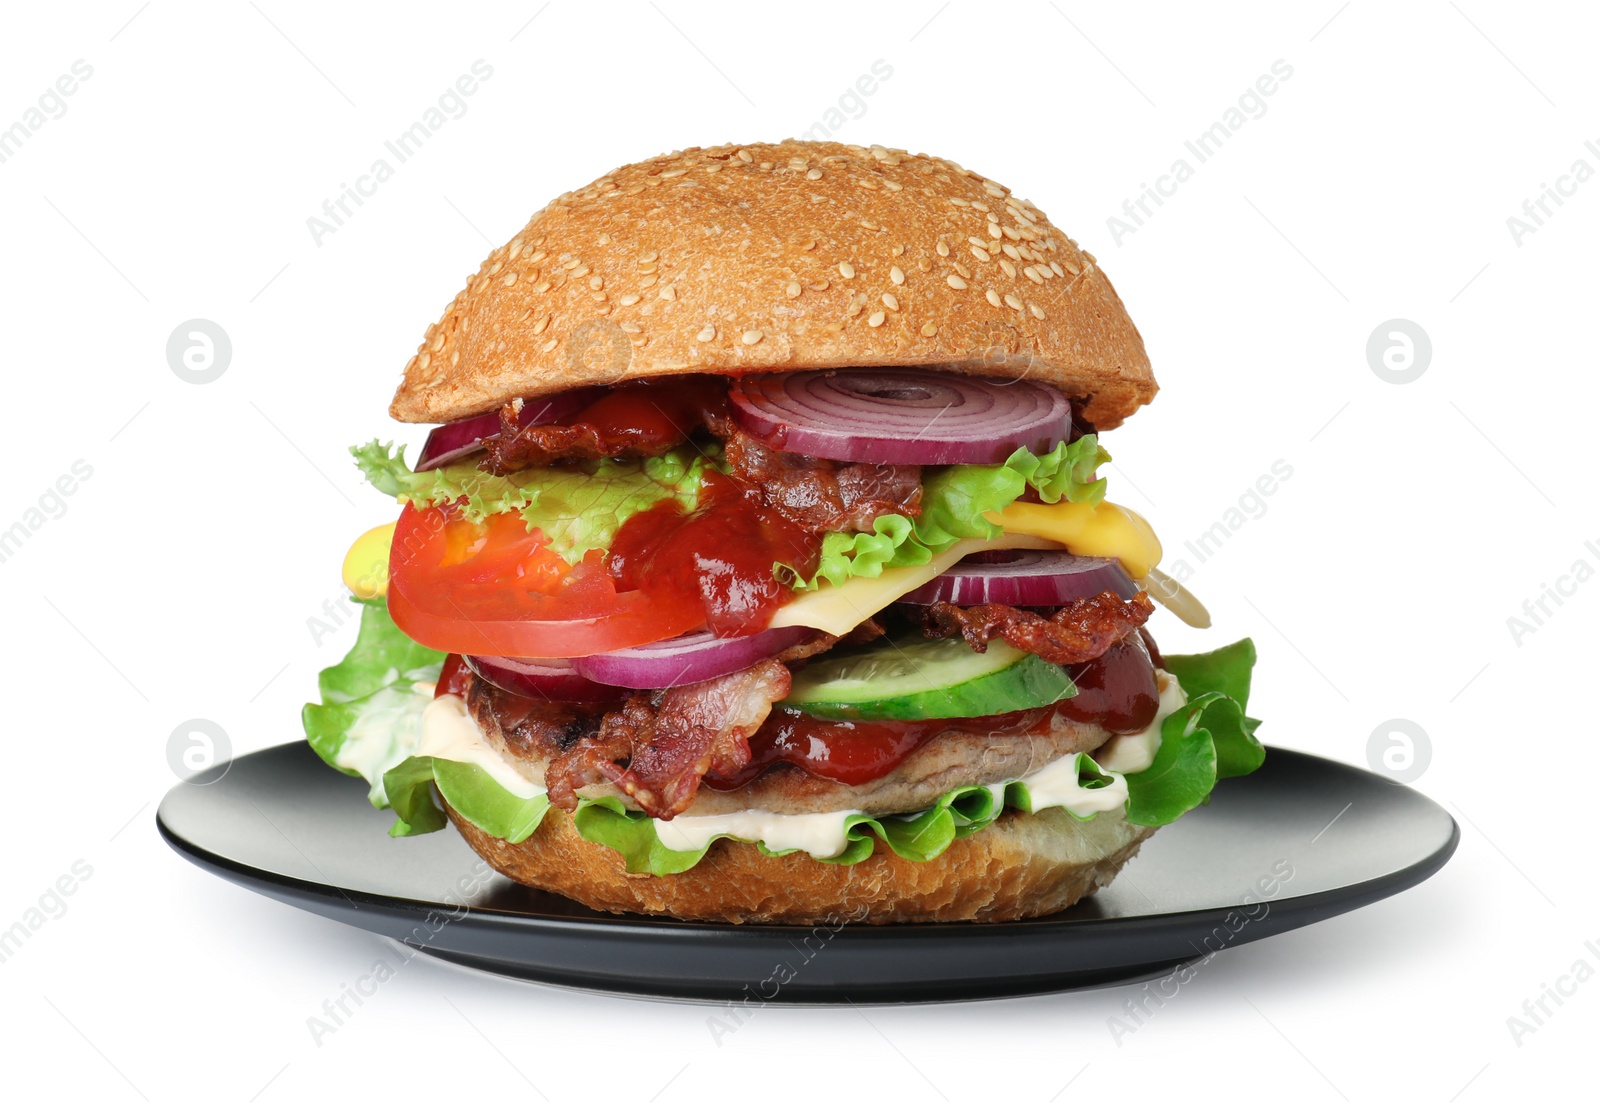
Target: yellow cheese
1098	529
366	565
838	610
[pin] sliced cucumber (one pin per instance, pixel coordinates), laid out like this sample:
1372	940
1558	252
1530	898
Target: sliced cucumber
914	679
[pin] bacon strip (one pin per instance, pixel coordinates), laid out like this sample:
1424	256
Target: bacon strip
1073	634
660	744
822	495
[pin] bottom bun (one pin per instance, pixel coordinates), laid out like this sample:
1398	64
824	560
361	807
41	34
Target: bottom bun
1023	865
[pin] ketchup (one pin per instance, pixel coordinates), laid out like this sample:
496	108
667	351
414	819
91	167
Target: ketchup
1116	691
454	677
652	416
721	555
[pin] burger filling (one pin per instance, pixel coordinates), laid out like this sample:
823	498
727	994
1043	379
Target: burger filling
817	612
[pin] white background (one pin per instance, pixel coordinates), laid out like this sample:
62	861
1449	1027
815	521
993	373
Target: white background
1378	582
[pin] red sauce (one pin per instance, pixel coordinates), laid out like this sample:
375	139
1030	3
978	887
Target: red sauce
721	555
453	677
652	416
1117	691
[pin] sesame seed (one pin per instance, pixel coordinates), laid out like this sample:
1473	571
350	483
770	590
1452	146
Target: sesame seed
597	282
977	206
897	251
1012	233
1071	266
537	257
1055	267
648	282
813	174
511	278
598	297
846	269
513	249
896	275
1008	268
494	268
631	328
836	327
750	337
629	300
745	156
955	282
1013	302
1089	257
423	359
547	346
1038	311
929	329
809	246
994	189
645	259
891	302
647	266
966	273
875	319
854	309
924	265
1033	274
438	342
980	253
994	231
1012	252
942	249
893	185
821	285
993	297
766	164
791	289
538	327
959	202
668	291
580	271
974	241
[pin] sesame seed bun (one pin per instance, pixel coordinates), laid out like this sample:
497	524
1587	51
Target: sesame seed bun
1023	865
764	258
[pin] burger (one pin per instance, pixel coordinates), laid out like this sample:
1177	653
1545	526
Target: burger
758	567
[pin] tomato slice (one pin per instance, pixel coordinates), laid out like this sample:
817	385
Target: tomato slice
492	588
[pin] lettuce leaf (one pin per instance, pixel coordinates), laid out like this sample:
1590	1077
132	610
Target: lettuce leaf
577	509
954	500
1211	738
370	716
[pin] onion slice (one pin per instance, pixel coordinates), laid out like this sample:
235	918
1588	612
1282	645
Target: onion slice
454	440
1025	577
1177	598
687	659
900	415
554	679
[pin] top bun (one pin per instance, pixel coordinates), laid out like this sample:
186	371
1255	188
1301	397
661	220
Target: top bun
764	258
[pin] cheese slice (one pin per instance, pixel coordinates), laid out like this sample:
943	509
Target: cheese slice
1098	529
1088	529
840	609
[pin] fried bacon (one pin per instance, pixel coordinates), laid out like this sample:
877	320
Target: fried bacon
1074	634
823	496
659	744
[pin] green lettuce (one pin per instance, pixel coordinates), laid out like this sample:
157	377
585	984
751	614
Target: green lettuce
954	500
1211	738
577	509
370	716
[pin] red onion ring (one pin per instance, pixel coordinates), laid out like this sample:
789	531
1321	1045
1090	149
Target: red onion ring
687	659
1031	577
455	440
557	680
900	415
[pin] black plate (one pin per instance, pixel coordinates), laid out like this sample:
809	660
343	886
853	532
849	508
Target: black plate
1301	840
